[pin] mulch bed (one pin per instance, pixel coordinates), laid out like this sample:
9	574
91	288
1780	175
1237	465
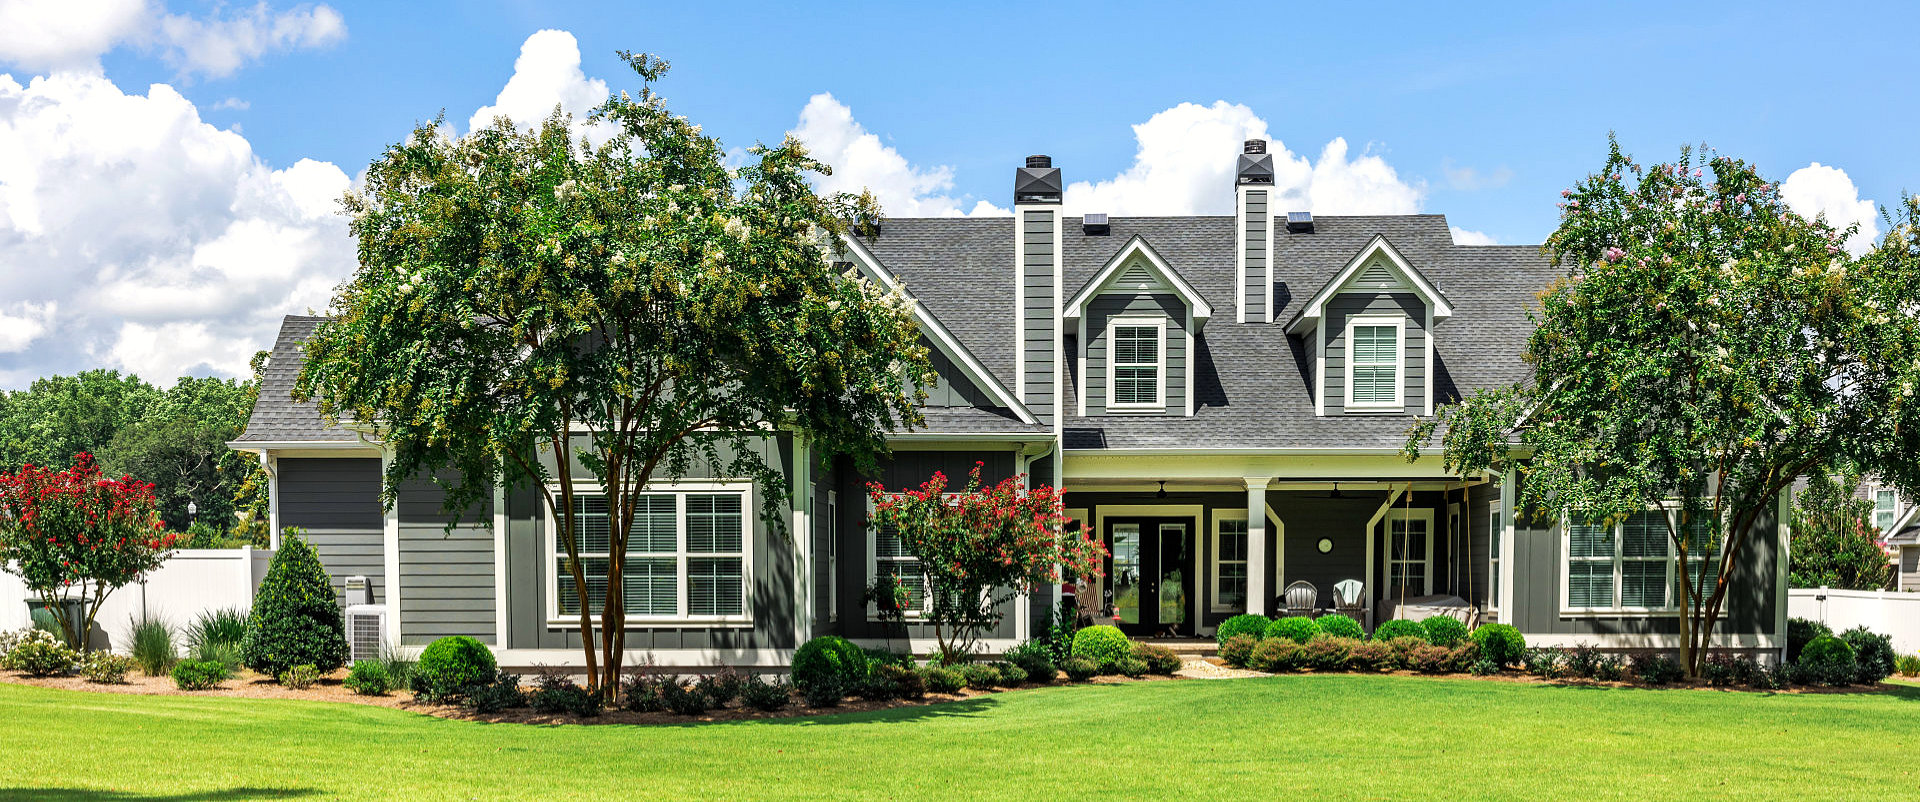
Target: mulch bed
1571	682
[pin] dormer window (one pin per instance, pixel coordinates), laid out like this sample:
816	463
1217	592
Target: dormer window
1137	360
1375	364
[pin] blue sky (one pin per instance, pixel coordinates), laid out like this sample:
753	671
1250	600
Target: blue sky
1482	116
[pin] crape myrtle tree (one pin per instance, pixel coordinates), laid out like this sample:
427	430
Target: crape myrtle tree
977	547
1835	543
1707	347
534	309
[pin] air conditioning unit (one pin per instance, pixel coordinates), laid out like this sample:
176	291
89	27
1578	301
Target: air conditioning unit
358	590
366	631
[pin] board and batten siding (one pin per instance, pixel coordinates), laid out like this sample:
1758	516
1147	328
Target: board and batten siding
1346	305
1038	274
337	501
1254	232
1910	567
1100	311
953	388
446	576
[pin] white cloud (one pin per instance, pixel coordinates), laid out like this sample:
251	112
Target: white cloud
232	104
546	73
46	36
861	161
1469	179
135	235
1817	189
1463	236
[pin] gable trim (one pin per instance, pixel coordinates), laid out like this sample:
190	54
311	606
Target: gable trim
1198	306
1314	309
938	333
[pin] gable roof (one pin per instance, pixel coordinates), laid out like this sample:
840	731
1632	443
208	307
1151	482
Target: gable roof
276	417
1137	245
1311	312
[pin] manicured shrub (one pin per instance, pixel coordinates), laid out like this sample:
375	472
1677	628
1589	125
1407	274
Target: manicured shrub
150	641
500	694
877	657
979	676
722	686
1036	657
1462	657
1501	643
1080	669
640	691
42	654
1399	628
828	665
765	696
369	678
1608	668
451	665
1656	668
1872	655
198	675
1908	665
1801	632
1239	650
1277	654
1427	658
296	618
1402	651
299	678
907	683
683	698
1243	624
1159	659
826	693
1444	630
1103	644
1296	628
105	668
1548	663
1011	676
1828	660
1341	626
1131	666
1370	655
556	695
1329	652
941	679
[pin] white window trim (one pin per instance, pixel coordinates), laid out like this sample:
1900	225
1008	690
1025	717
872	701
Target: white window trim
1873	494
1399	325
1219	517
1495	536
555	618
1424	515
873	567
1159	324
1674	593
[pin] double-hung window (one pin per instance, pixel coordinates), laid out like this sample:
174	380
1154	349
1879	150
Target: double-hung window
1375	363
686	556
1136	363
1409	550
1229	564
1886	508
1628	565
1495	532
891	558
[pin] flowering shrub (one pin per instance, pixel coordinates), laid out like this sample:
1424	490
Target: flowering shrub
40	653
979	548
106	668
75	535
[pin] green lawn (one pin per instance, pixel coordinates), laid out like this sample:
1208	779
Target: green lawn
1331	737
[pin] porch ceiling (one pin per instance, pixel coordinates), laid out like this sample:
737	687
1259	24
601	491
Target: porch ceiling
1236	468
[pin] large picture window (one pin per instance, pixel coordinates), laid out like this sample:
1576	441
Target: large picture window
1374	363
686	556
1628	565
1136	363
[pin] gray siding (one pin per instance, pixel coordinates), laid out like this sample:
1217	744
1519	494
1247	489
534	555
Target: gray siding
1348	304
1102	310
1910	568
1037	273
1309	516
446	576
1254	224
953	389
337	500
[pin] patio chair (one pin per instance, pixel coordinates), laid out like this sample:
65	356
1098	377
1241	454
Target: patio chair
1300	598
1349	599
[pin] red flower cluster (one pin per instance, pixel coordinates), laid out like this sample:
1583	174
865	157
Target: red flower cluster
62	528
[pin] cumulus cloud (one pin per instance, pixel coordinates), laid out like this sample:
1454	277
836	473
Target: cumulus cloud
1817	189
546	73
861	161
1469	179
1463	236
58	35
135	235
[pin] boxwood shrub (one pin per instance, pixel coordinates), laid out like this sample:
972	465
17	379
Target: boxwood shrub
296	618
1239	650
1444	630
940	679
980	676
1244	624
828	662
1296	628
1278	654
1159	659
1341	626
1501	643
1872	654
1131	666
1828	660
198	675
1399	628
1080	669
451	665
1102	644
369	678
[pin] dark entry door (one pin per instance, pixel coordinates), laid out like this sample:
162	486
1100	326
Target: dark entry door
1150	567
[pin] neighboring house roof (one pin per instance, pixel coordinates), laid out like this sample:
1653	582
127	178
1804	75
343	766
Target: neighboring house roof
277	418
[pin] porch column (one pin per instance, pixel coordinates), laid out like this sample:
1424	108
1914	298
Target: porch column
1257	544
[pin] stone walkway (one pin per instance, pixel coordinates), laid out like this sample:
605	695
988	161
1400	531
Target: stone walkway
1196	668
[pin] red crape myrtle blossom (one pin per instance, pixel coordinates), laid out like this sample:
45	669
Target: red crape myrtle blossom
978	548
74	535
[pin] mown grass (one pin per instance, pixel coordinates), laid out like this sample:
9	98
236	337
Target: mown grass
1332	737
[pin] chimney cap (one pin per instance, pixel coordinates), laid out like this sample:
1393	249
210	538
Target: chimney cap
1038	182
1254	146
1040	160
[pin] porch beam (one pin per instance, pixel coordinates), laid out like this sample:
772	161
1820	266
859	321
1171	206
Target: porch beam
1379	514
1257	544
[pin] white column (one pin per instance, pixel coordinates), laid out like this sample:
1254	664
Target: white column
272	467
1257	544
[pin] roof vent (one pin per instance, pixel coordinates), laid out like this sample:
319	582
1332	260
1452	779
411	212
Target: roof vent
1039	161
1094	224
1299	222
1254	146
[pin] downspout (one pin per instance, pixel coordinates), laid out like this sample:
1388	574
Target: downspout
272	468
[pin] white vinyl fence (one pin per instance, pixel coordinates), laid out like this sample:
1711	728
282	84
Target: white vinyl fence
189	583
1891	613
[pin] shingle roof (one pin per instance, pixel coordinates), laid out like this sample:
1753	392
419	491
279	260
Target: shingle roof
976	420
276	416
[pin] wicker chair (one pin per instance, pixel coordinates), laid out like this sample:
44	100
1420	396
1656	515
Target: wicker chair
1300	598
1350	599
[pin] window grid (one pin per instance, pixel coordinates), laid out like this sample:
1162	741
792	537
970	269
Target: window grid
1230	565
1407	555
685	556
1886	507
1630	564
1136	365
1375	366
1494	534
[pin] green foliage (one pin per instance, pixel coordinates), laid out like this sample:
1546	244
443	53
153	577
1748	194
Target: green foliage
1341	626
828	664
226	654
501	694
1400	650
907	682
1243	624
942	679
1482	667
1399	628
1329	652
1277	654
1501	643
1908	665
1835	543
1800	632
824	694
1428	658
1159	659
1656	668
1872	653
765	696
299	678
198	675
105	668
1297	628
1828	660
227	626
724	686
369	678
449	666
1131	666
1036	657
398	666
1102	644
1080	669
39	653
714	314
1011	676
1444	630
1548	663
150	641
979	676
557	695
296	619
1238	649
1370	655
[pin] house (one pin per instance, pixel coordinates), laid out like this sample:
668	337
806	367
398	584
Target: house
1898	521
1223	399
